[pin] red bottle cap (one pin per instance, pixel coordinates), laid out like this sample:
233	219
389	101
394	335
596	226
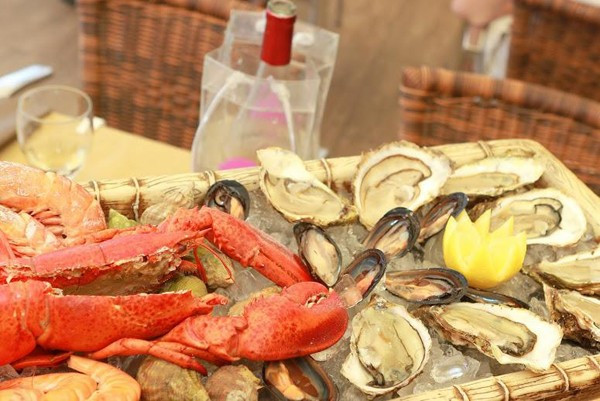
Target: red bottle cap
279	30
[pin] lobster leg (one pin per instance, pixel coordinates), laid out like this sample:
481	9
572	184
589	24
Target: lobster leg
242	242
166	351
305	318
39	358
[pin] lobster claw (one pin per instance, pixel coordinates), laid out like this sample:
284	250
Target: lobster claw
305	318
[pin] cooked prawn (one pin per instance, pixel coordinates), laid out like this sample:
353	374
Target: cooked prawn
53	386
44	211
113	383
97	381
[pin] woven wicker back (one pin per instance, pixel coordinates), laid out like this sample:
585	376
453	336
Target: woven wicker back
556	44
440	106
142	61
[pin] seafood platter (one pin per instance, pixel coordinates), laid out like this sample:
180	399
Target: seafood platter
458	272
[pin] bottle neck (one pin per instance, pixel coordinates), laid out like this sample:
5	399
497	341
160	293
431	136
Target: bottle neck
279	31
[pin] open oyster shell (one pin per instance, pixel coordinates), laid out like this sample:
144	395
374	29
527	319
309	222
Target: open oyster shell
577	314
510	335
547	216
397	174
580	271
493	176
296	193
388	348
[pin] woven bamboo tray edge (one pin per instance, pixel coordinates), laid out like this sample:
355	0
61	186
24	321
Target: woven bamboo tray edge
131	196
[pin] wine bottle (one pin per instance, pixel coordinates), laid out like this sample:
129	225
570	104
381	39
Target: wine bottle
275	106
265	118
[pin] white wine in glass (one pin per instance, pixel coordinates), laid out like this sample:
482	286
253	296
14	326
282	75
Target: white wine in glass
54	128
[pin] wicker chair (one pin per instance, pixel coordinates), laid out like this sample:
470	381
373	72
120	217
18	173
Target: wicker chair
441	106
142	61
555	44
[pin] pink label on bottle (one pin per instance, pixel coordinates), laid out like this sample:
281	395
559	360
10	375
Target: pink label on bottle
237	162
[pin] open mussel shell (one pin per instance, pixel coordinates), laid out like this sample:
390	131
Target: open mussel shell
360	277
427	286
230	197
319	252
299	379
395	233
436	218
489	297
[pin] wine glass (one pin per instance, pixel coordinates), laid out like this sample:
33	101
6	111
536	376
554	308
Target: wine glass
54	128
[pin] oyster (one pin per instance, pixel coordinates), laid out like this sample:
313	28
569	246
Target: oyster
361	276
510	335
395	233
580	271
493	176
578	315
427	286
388	348
229	196
296	193
397	174
436	218
489	297
547	216
299	379
319	252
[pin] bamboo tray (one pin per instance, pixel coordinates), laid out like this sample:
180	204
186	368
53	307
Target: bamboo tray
575	379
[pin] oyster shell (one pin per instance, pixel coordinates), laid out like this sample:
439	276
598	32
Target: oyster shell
578	315
493	176
319	252
427	286
510	335
397	174
296	193
547	216
580	271
388	348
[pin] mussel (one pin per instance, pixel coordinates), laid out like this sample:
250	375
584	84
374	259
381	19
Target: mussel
360	277
427	286
436	218
395	233
299	379
489	297
319	252
230	197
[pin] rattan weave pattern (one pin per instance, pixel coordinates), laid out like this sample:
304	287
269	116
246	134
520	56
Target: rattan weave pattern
555	43
142	61
440	106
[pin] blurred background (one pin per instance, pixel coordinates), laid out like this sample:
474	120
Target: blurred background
432	72
377	39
